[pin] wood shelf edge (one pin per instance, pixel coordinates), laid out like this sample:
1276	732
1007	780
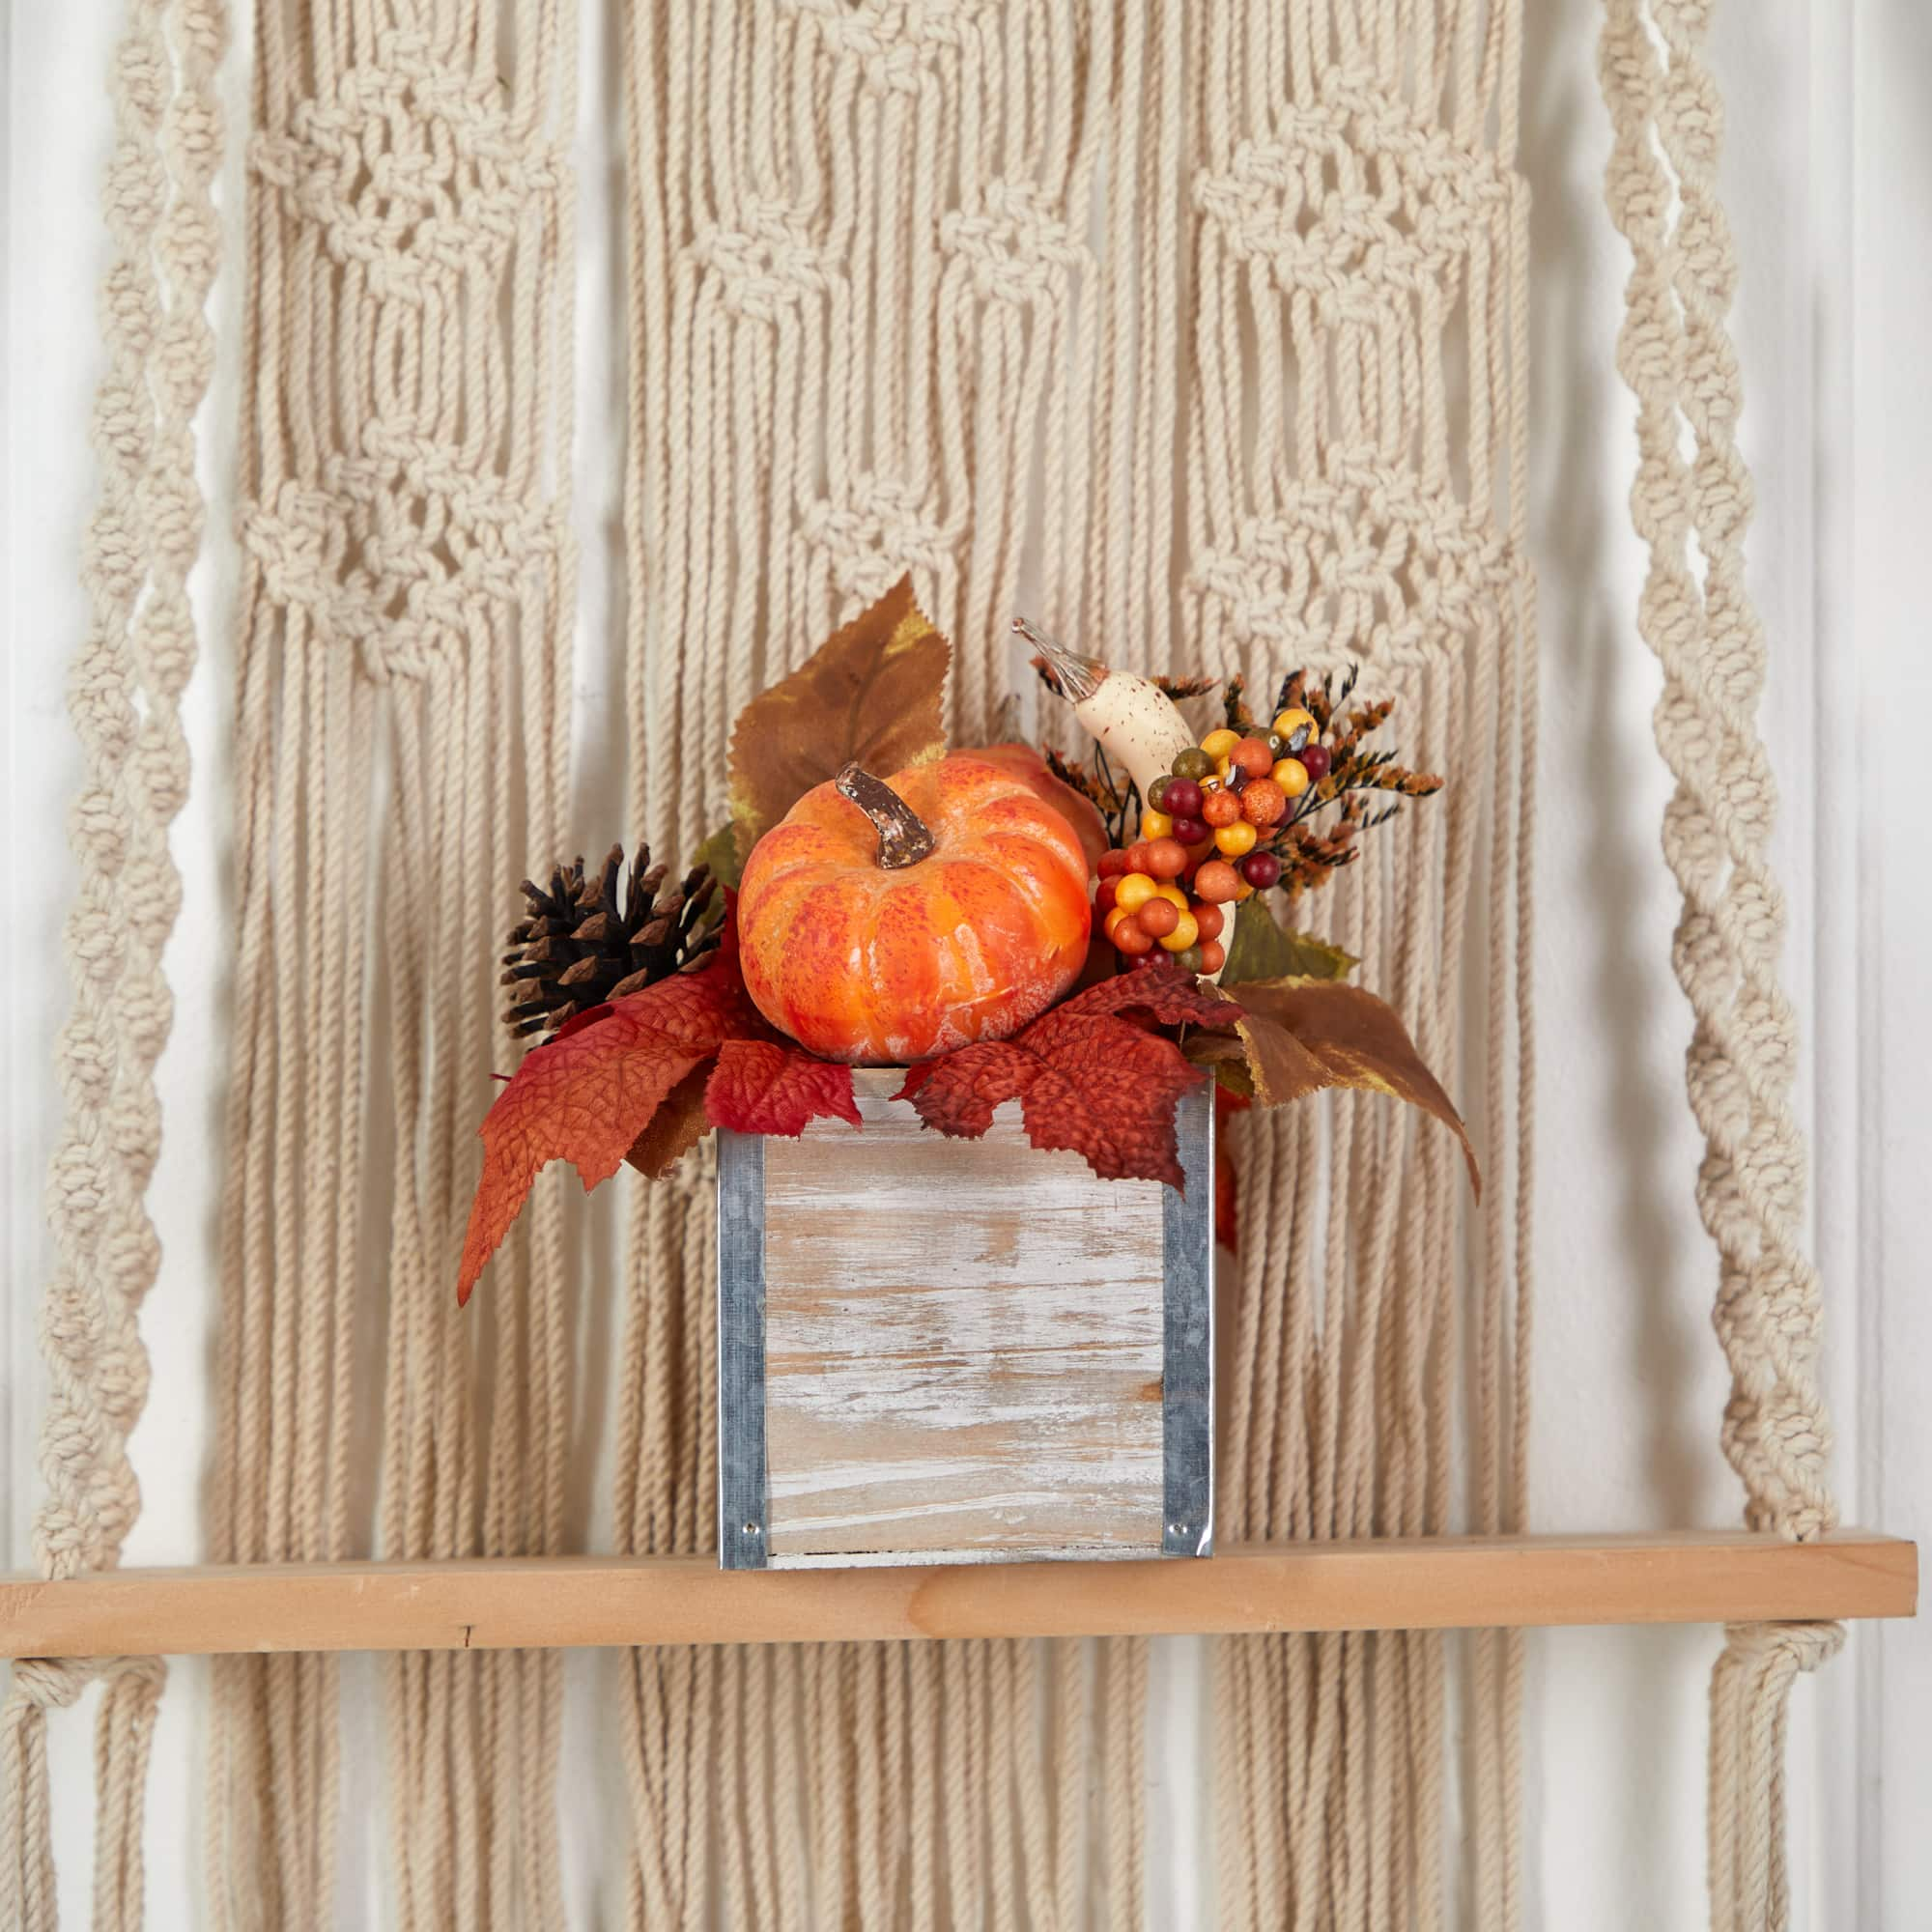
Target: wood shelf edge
569	1601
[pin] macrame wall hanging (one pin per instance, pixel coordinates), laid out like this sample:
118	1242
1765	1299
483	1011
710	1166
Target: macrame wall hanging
1202	333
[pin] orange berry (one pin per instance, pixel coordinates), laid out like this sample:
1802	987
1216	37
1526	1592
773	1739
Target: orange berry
1184	935
1253	756
1156	824
1158	918
1291	775
1213	956
1133	891
1232	840
1208	918
1166	858
1217	882
1264	802
1137	856
1245	893
1288	723
1204	850
1130	937
1218	744
1221	808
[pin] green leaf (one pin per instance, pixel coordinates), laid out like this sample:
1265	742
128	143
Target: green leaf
721	852
1261	950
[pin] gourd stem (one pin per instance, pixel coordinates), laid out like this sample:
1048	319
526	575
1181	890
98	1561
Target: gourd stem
904	837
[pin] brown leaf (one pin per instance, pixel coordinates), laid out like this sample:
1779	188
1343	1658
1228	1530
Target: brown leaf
871	693
677	1126
1305	1034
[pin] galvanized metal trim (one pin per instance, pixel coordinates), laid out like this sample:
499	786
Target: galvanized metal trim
744	1525
1187	1337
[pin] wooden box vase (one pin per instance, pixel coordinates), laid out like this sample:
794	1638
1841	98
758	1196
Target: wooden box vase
941	1350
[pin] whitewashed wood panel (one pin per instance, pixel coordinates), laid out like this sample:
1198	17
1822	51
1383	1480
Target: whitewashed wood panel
963	1344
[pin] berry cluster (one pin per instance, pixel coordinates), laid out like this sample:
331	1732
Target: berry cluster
1204	836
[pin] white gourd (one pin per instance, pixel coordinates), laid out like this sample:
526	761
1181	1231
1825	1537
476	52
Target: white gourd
1130	717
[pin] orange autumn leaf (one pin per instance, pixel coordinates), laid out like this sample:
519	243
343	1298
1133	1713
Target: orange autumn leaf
870	695
1089	1079
588	1095
1302	1036
770	1087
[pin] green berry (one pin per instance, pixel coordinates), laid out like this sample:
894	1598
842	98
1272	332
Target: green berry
1188	960
1192	763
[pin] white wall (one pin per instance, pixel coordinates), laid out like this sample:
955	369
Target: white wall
1829	170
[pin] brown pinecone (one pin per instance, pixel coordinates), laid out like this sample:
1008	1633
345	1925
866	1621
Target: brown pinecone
583	943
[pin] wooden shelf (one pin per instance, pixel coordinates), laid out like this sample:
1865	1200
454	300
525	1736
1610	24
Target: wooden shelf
498	1604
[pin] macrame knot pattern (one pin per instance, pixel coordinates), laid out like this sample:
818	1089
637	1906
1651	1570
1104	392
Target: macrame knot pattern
398	548
876	531
411	170
762	257
893	42
1362	561
1017	250
1355	196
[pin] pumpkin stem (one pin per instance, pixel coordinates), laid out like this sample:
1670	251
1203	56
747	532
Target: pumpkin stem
904	837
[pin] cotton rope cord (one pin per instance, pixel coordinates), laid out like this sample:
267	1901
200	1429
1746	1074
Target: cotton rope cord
402	743
866	327
1674	352
1354	494
124	699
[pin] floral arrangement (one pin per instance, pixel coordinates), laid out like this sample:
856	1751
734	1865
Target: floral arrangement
942	919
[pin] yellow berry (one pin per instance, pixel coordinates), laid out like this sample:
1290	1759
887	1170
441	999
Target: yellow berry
1222	767
1290	721
1232	840
1291	775
1186	930
1170	890
1218	744
1113	919
1156	824
1134	890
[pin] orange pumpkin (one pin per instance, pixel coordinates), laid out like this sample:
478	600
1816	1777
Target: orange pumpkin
1024	762
884	923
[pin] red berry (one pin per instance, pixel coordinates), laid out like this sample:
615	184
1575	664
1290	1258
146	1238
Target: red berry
1252	757
1158	918
1179	797
1264	802
1103	896
1261	869
1167	858
1132	938
1213	956
1216	882
1317	759
1113	865
1137	857
1208	921
1189	831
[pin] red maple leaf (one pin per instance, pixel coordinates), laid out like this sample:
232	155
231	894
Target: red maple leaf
1088	1079
587	1095
764	1087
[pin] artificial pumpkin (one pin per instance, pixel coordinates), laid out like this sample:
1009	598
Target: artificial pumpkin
884	922
1080	813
